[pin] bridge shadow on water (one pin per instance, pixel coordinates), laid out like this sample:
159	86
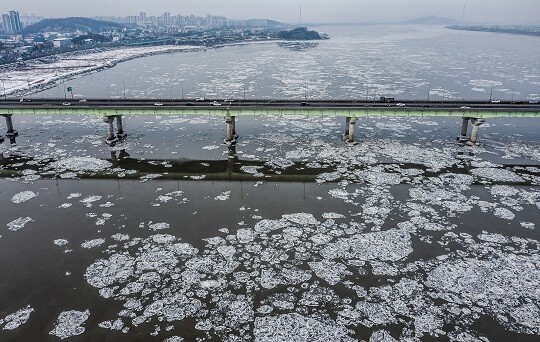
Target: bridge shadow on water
235	169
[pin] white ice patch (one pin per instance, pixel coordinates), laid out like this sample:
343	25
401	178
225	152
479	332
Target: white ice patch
223	197
69	323
80	164
331	272
60	242
23	196
211	147
497	175
16	319
19	223
88	201
390	245
295	328
159	226
301	218
332	216
504	213
92	243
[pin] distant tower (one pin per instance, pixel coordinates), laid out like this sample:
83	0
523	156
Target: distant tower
12	23
300	15
463	15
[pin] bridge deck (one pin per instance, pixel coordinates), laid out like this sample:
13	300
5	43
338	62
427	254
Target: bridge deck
482	110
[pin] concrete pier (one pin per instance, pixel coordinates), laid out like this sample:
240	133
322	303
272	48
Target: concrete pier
347	123
231	129
474	132
350	133
111	137
464	128
119	127
9	125
1	139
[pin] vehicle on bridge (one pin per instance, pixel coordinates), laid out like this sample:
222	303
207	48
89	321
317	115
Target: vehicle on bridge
387	99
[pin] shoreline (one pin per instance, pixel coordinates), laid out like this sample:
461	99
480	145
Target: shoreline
28	82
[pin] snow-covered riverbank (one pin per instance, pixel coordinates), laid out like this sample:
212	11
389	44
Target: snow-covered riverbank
41	73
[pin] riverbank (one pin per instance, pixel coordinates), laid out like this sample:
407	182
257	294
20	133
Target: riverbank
40	74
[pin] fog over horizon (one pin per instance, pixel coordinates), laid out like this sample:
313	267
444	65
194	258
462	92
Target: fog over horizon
313	11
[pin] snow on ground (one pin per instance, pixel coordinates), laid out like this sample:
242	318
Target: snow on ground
38	75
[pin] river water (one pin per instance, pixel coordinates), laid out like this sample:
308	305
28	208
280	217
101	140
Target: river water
291	234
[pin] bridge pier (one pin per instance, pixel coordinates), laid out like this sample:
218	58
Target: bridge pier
119	127
9	124
464	128
474	132
111	137
349	132
231	129
347	123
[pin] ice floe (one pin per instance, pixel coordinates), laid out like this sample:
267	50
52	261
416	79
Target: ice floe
23	196
70	323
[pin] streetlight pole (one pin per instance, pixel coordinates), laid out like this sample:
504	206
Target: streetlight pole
108	94
429	91
305	91
491	93
244	91
182	86
172	93
124	83
367	89
513	92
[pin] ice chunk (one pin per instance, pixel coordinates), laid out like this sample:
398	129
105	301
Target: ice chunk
19	223
69	323
81	164
15	320
23	196
294	327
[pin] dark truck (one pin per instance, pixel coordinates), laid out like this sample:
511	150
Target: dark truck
387	99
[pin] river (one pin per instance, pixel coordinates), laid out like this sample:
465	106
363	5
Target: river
291	234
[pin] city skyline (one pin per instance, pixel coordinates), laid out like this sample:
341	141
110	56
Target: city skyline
316	11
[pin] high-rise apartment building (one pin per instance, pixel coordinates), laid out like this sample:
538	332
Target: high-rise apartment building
12	23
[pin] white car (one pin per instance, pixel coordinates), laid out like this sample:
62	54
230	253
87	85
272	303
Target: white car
82	100
400	104
200	99
465	107
66	104
158	104
215	103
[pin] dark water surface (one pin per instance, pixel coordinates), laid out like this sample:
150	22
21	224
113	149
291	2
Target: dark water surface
289	235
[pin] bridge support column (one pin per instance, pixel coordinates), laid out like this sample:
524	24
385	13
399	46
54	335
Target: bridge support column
350	133
231	129
111	138
464	128
347	123
119	127
474	132
9	124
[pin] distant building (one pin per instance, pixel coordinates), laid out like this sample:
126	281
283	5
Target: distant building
12	22
61	42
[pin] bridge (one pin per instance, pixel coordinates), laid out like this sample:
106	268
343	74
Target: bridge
474	112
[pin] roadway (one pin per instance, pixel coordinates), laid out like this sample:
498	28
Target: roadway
108	107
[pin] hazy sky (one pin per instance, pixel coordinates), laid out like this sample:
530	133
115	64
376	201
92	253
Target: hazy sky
492	11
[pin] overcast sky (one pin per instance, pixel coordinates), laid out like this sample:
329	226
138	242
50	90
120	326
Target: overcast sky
491	11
